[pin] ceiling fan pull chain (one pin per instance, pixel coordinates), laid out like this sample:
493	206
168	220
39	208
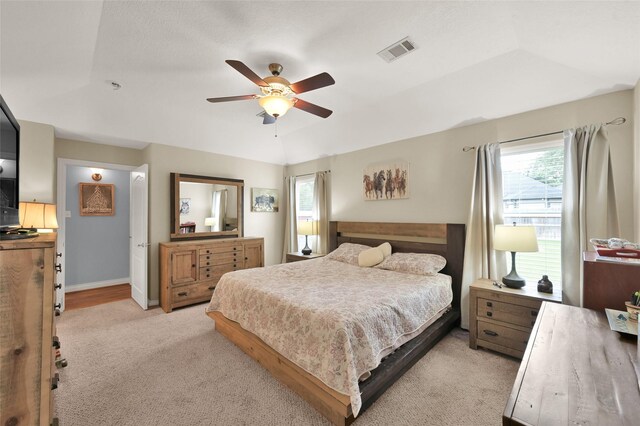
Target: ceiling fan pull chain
276	129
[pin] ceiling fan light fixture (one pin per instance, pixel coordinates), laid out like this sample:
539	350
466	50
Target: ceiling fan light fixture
275	105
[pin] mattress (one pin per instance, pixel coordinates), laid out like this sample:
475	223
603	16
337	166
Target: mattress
334	320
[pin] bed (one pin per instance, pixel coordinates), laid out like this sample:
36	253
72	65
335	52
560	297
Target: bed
343	397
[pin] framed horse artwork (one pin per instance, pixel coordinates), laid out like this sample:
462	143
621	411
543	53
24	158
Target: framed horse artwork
389	181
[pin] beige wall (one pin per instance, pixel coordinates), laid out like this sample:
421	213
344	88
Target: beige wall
440	174
87	151
37	165
163	160
636	148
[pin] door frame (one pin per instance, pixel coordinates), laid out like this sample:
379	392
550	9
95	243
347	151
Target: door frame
61	201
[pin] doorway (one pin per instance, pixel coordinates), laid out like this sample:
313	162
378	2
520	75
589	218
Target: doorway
102	247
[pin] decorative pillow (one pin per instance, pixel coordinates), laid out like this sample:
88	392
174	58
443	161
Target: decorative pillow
414	263
370	257
386	249
347	253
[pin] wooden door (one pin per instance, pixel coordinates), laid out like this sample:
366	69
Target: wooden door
253	256
184	266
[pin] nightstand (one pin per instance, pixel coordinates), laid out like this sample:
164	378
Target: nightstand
501	319
297	256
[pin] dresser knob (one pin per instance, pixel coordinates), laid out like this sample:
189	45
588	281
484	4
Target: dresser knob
61	363
490	333
58	254
533	323
534	313
58	305
56	342
489	314
489	304
54	381
246	258
58	267
57	312
182	293
58	286
212	287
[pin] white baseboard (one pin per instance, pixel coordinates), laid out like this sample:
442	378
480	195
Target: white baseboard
154	302
97	284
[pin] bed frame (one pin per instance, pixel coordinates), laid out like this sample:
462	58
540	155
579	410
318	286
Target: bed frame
444	239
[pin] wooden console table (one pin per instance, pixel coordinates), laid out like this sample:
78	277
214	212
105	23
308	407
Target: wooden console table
575	370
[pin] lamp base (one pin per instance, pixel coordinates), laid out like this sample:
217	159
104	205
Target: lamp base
18	234
306	250
513	283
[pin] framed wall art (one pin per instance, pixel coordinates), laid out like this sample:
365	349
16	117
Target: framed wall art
387	181
264	200
97	199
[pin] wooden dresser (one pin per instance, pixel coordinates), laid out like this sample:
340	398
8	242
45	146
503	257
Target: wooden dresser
190	270
27	371
576	371
501	319
608	284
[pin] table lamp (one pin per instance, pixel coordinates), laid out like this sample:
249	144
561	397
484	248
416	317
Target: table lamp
36	216
515	239
306	228
210	222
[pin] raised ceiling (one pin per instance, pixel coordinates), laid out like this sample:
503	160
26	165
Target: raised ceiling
475	61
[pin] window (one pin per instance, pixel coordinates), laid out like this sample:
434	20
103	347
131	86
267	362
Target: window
532	195
304	204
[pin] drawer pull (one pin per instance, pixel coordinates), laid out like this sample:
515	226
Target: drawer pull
489	314
58	305
54	381
208	257
534	313
489	304
212	287
208	275
490	333
56	342
58	286
533	323
193	265
58	267
182	293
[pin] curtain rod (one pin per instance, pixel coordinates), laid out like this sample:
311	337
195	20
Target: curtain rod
309	174
615	122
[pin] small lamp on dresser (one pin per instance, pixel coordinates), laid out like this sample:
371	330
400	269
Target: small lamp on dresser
515	239
37	217
306	228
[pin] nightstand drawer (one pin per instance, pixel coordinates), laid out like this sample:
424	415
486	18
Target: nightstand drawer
503	336
507	312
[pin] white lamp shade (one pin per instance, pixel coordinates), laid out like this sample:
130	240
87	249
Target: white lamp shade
274	105
308	227
209	221
515	238
38	215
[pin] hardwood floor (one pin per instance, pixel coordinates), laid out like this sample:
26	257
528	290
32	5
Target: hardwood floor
96	296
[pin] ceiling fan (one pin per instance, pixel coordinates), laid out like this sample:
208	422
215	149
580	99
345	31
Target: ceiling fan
278	95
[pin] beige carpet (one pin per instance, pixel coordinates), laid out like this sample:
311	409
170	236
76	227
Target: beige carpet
131	367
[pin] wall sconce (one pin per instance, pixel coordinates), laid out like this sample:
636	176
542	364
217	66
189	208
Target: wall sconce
97	176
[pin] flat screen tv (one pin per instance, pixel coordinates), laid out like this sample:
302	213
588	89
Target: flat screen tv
9	173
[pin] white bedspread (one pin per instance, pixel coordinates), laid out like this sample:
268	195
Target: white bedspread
332	319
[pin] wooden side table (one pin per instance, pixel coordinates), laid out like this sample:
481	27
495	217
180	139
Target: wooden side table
501	319
298	256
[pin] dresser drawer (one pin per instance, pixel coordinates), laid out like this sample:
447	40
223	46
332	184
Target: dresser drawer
194	291
214	272
507	312
221	248
221	259
503	336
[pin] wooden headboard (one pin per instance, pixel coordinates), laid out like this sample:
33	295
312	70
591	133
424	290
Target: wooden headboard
445	239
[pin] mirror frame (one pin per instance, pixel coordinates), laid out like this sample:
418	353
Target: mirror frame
176	179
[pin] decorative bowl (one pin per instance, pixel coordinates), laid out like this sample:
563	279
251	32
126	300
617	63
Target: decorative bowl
633	311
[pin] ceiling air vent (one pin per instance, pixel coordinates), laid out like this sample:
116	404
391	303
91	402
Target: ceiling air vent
397	50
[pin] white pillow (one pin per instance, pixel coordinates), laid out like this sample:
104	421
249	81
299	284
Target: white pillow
386	249
370	257
414	263
347	253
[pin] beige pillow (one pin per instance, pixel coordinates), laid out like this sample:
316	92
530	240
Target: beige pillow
414	263
347	253
370	257
386	249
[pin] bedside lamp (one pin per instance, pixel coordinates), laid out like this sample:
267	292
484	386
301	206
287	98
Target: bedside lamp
36	216
306	228
515	239
210	221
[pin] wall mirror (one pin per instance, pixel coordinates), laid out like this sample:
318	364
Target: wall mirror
206	207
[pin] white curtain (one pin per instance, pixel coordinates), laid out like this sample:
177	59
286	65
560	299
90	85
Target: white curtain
218	210
291	221
589	202
480	260
320	244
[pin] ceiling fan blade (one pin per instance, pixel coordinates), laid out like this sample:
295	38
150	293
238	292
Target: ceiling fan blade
246	71
312	108
231	98
312	83
267	119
